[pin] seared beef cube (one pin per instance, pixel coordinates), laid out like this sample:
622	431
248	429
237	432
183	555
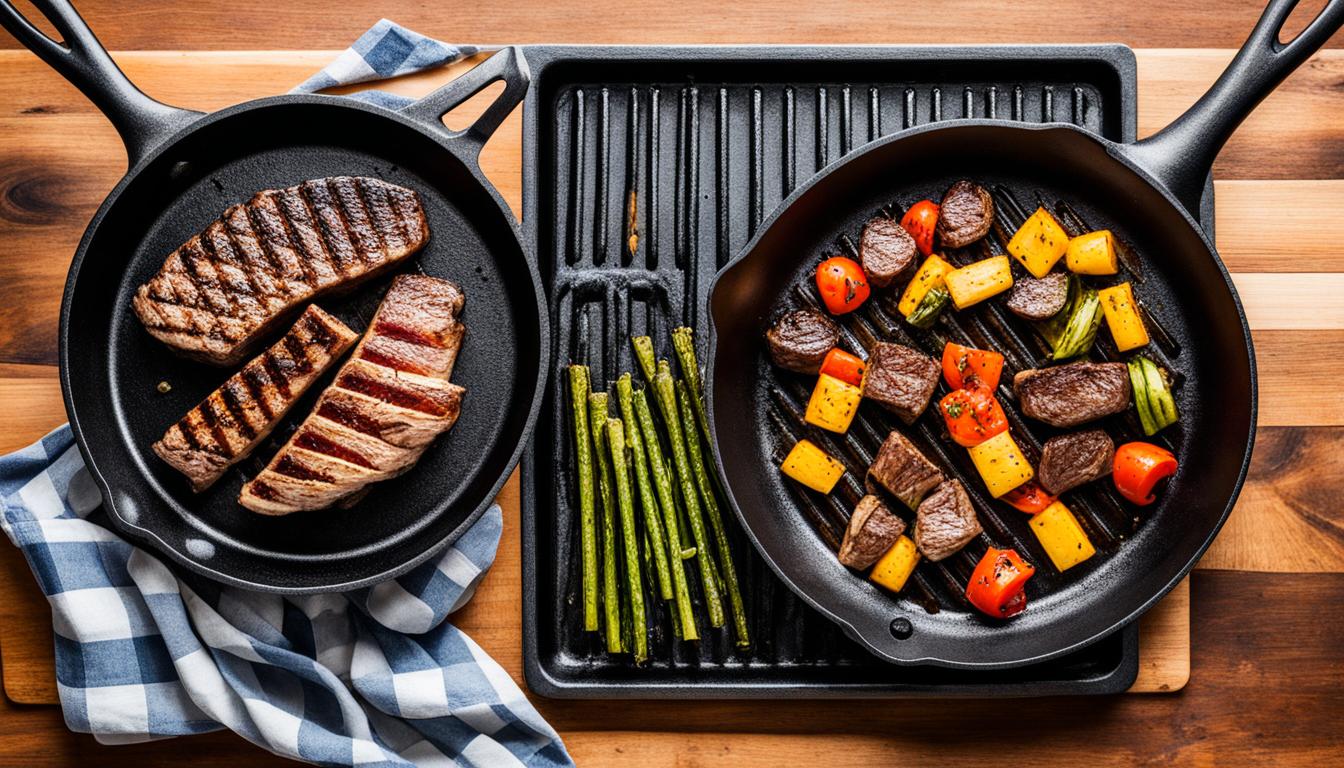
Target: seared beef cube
966	214
800	340
1073	394
1068	461
903	470
886	251
945	521
901	379
871	532
1039	299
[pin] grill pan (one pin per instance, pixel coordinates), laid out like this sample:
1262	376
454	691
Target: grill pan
1148	194
736	129
185	169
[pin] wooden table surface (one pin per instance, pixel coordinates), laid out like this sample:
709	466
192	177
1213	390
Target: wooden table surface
1267	602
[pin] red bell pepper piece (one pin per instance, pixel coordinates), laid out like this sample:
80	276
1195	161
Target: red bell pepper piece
973	415
843	366
1138	467
843	284
997	583
960	364
1029	497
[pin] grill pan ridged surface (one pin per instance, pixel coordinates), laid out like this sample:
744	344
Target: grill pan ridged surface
636	193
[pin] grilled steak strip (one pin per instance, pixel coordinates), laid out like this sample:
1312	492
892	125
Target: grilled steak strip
901	379
903	471
385	407
886	250
871	532
222	290
1068	461
1073	394
800	340
945	522
228	424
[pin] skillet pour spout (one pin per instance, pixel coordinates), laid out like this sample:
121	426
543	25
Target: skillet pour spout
1148	194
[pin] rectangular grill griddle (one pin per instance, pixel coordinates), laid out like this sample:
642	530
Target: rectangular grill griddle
645	170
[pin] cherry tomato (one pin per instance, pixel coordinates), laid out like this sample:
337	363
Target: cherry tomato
1138	467
843	366
843	285
1029	497
973	415
963	364
921	221
997	583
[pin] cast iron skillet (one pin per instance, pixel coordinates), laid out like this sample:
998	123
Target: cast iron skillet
1146	193
185	169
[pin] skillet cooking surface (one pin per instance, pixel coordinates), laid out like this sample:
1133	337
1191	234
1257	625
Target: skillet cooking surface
115	376
1142	553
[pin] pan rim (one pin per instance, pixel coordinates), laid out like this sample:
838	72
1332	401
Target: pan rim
121	522
1114	150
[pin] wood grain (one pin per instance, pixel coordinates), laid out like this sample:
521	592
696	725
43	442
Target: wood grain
1266	697
253	24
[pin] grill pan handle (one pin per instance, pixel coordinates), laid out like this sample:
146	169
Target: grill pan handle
80	58
509	66
1181	155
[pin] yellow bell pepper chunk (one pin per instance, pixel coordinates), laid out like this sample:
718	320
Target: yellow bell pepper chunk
1092	254
893	569
1001	463
812	467
929	276
1062	538
976	282
833	404
1039	243
1122	317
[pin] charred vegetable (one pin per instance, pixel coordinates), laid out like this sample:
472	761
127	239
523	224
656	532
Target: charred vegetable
1039	243
1072	332
998	582
583	458
1152	395
1028	497
929	276
1122	317
1138	468
921	221
963	364
973	415
929	308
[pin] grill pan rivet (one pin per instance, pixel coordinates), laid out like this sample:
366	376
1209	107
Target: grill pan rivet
901	628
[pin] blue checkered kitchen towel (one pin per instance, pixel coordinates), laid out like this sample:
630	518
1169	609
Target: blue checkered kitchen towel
375	677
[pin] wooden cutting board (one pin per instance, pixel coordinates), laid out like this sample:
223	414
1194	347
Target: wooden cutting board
77	150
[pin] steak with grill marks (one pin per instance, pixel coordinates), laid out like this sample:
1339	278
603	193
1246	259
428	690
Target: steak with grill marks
1039	299
221	291
886	250
800	340
901	379
945	522
385	407
965	215
903	471
1068	461
1073	394
228	424
871	532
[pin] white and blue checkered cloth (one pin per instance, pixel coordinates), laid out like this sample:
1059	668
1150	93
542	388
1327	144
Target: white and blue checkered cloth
374	677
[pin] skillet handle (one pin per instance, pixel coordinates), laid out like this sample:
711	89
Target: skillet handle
1181	155
507	65
142	122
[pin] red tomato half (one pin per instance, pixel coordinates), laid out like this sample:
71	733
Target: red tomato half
921	221
842	283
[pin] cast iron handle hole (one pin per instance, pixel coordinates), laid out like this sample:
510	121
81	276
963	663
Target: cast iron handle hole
901	628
